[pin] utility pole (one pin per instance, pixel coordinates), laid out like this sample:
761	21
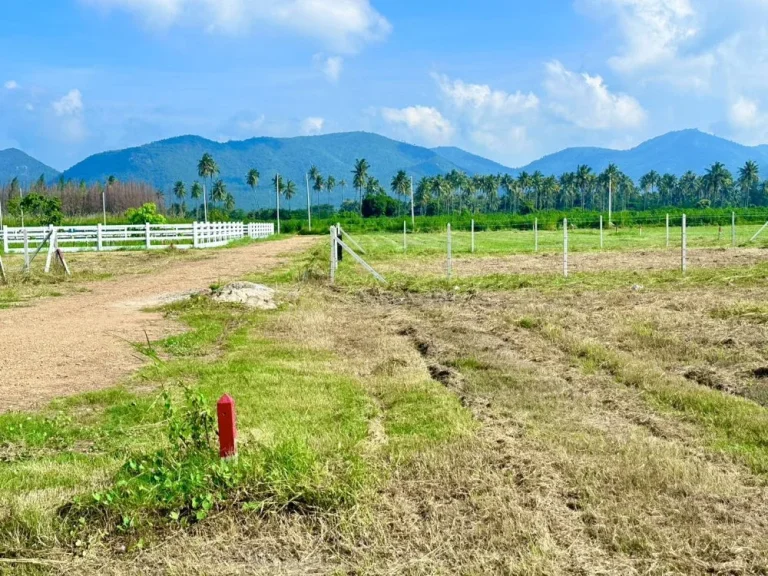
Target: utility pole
277	195
610	194
205	203
413	214
309	204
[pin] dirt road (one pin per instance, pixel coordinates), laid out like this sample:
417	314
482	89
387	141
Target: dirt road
62	346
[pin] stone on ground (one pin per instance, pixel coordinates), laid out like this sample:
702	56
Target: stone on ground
247	293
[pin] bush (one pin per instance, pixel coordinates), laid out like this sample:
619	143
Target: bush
147	214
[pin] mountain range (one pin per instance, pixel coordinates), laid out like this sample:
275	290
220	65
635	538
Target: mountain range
163	163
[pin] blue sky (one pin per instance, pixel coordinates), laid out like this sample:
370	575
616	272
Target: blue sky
506	79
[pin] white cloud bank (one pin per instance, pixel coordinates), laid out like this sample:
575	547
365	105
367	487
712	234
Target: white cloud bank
312	126
425	123
69	112
345	25
11	85
586	102
330	66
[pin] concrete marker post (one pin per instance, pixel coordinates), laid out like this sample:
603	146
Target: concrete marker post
225	412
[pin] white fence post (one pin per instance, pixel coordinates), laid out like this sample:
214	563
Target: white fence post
333	254
51	250
683	251
667	230
733	229
26	251
405	237
536	235
473	236
601	231
147	239
565	247
5	239
449	266
99	238
195	239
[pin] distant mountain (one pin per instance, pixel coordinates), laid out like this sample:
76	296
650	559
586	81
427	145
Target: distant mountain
16	164
674	153
163	163
471	163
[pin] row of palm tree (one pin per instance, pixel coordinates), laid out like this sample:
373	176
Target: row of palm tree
586	189
457	191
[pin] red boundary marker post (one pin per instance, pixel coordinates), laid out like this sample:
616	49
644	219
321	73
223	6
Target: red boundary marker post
225	410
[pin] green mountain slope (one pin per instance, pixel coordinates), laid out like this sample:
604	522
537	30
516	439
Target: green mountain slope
162	163
675	153
16	164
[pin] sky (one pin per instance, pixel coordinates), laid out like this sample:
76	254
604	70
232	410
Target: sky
510	80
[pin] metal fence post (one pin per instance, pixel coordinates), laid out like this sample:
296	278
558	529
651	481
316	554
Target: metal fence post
565	247
683	251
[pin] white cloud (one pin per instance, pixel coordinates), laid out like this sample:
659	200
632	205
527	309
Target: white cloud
70	104
11	85
69	112
424	122
586	102
345	25
483	98
653	30
29	107
331	66
748	122
312	126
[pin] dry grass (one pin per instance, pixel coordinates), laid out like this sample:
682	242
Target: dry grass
612	432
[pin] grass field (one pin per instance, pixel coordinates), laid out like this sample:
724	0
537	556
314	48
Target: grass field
502	422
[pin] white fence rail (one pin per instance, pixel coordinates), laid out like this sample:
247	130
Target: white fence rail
136	237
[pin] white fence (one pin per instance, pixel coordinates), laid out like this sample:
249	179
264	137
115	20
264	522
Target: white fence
140	237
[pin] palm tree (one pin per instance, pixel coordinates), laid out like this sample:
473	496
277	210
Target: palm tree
400	185
252	179
749	177
289	192
423	194
360	174
717	180
330	185
207	168
219	191
318	186
229	202
196	193
343	185
180	191
647	183
584	178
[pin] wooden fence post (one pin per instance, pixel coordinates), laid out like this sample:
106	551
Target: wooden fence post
565	247
225	412
147	240
683	251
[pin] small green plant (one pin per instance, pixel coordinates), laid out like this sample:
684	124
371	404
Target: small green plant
147	214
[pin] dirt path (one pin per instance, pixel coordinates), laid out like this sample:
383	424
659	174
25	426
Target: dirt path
81	342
